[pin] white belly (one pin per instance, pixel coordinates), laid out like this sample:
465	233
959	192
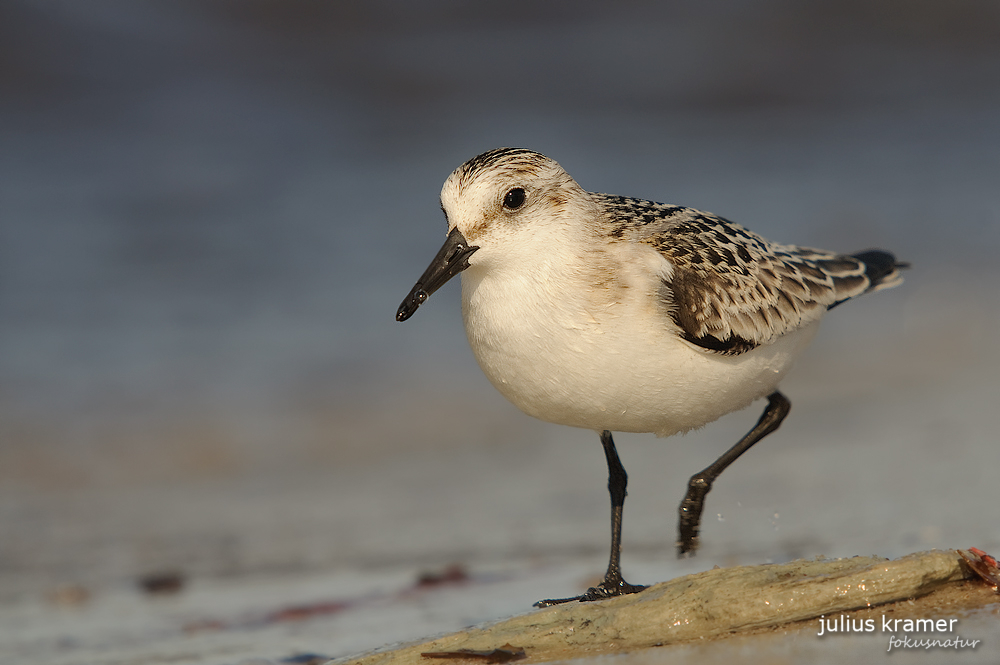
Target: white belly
618	366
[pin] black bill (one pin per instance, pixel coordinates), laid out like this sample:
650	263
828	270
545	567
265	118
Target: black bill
452	259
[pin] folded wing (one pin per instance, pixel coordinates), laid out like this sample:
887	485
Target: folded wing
731	290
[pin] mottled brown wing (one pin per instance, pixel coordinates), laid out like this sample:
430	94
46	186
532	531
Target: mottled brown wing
732	290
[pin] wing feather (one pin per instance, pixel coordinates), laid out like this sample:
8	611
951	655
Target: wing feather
731	290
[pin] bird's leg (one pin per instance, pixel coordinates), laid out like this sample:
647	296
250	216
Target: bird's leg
691	507
613	584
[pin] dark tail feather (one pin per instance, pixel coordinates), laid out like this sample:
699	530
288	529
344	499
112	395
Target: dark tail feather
881	268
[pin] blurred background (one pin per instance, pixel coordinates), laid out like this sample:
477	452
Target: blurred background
209	212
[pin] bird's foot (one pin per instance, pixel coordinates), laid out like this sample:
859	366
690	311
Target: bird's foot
690	511
606	589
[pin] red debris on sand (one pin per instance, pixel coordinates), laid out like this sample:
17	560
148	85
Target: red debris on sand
300	612
291	613
203	625
503	654
162	583
453	574
984	565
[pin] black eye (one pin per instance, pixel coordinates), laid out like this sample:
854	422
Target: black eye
514	199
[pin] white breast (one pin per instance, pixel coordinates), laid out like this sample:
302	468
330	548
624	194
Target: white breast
599	351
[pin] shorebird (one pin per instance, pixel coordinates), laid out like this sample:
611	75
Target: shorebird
620	314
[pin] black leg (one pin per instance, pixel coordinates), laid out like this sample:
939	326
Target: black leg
694	501
613	584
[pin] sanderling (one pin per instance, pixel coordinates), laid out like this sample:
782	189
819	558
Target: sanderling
619	314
